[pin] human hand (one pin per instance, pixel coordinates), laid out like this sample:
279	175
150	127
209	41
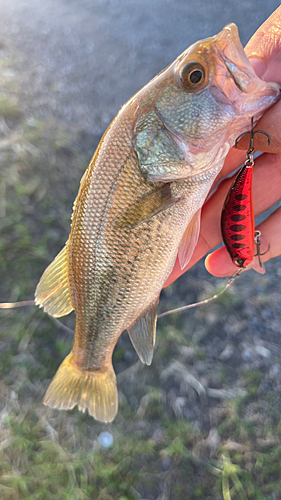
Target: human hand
264	52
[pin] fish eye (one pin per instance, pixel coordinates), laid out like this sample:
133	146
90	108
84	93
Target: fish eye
192	75
239	262
196	76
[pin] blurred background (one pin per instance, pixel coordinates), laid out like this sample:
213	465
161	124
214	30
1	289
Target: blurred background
203	421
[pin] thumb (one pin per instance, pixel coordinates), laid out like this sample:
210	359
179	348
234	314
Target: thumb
264	48
264	52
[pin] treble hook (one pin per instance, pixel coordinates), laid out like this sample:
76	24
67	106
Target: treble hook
252	134
258	245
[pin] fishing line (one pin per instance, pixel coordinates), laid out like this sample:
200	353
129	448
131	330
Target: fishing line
201	302
61	325
11	305
24	303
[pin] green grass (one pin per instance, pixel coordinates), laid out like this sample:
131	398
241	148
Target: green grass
9	107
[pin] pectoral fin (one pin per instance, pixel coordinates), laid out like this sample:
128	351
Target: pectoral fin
143	332
145	208
52	292
189	240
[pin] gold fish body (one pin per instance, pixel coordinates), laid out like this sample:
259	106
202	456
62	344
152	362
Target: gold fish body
139	205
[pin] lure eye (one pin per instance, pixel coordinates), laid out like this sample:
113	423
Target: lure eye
239	262
192	75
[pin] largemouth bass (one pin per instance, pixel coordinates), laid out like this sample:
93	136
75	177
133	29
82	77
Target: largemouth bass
138	205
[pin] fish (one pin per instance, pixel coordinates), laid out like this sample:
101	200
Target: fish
138	207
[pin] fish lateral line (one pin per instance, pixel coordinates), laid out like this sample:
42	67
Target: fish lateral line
231	279
10	305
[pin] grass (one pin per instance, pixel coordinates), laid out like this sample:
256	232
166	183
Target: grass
9	107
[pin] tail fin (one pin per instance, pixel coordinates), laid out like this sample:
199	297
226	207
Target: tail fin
95	391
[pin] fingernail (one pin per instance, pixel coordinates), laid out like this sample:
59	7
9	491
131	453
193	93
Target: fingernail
258	65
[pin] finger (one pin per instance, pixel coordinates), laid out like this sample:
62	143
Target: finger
265	43
264	51
233	161
219	264
267	179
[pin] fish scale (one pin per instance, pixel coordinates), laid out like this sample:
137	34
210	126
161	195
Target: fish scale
138	207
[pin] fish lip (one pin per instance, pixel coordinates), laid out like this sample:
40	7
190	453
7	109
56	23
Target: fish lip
229	44
240	71
231	53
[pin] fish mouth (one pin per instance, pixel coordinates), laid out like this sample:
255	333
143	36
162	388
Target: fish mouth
232	56
234	75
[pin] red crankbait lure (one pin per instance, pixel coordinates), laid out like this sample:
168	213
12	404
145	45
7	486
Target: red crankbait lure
237	220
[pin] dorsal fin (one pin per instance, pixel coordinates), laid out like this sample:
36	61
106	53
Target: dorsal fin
143	332
52	292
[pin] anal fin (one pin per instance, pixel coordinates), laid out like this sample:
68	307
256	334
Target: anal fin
189	240
52	291
143	333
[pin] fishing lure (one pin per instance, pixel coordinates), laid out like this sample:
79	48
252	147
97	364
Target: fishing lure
237	219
